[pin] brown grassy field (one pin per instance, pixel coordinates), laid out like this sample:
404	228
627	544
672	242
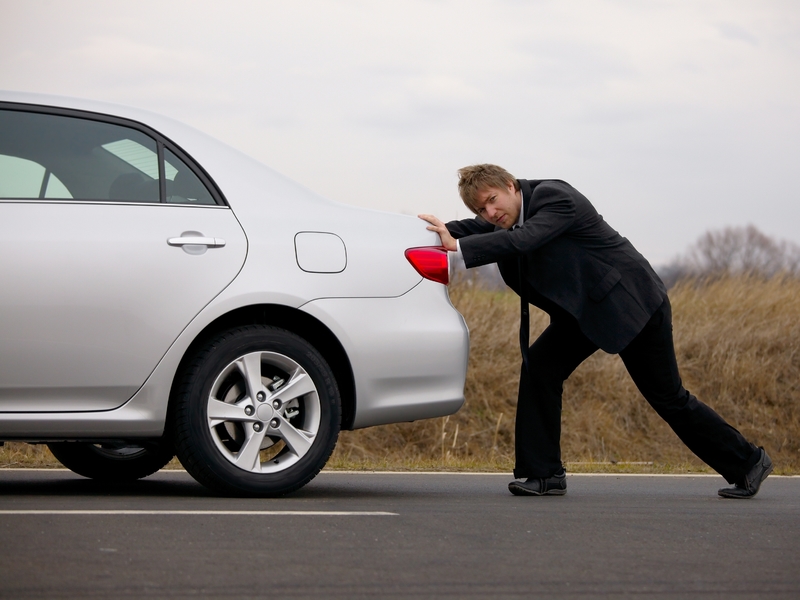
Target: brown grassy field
738	347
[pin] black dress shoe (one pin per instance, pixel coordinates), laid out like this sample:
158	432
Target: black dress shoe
555	485
752	481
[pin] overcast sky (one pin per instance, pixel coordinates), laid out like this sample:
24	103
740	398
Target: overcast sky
672	117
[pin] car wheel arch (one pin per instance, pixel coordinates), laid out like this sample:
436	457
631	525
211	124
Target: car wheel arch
298	322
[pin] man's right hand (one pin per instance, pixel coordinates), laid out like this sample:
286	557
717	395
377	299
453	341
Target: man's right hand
448	241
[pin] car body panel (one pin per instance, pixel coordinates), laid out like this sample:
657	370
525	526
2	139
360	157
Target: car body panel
428	382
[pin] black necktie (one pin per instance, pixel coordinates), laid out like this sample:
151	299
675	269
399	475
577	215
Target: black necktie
524	319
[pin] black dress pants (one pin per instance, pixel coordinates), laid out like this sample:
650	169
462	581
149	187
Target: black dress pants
650	361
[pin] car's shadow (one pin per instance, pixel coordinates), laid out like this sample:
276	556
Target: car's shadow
72	485
178	484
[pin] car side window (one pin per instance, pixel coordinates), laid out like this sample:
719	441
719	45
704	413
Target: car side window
139	182
74	158
183	186
22	178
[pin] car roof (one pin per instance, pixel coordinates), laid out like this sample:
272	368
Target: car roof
152	119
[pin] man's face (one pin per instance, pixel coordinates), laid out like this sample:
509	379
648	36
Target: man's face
499	206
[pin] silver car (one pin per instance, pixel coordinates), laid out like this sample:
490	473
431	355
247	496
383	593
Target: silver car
165	294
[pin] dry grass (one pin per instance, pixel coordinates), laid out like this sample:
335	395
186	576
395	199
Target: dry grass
738	347
16	454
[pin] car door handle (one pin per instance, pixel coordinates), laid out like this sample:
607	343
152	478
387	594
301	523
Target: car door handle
196	240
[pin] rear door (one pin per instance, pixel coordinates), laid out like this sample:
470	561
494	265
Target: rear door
110	244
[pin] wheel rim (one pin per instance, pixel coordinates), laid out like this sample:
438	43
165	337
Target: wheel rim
263	412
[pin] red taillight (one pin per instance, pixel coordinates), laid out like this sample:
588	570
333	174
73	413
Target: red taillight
430	262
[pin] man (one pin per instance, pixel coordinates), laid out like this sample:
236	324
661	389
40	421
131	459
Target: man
557	253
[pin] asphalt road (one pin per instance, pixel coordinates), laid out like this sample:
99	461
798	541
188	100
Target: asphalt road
367	535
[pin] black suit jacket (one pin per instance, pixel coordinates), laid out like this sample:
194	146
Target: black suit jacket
574	262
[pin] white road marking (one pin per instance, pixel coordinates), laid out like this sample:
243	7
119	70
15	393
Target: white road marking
498	474
309	513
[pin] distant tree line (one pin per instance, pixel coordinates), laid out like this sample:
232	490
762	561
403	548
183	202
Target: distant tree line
734	251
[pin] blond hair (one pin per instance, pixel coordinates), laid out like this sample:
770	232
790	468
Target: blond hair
476	178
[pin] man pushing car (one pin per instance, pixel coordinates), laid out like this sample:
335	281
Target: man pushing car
557	253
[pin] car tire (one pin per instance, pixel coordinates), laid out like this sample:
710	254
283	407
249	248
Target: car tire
113	461
256	413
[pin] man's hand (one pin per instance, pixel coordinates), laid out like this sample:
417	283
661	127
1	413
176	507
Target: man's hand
448	241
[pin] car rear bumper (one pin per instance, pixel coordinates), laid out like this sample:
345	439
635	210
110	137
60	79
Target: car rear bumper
408	354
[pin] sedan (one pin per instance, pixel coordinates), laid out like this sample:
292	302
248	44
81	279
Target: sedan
164	294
